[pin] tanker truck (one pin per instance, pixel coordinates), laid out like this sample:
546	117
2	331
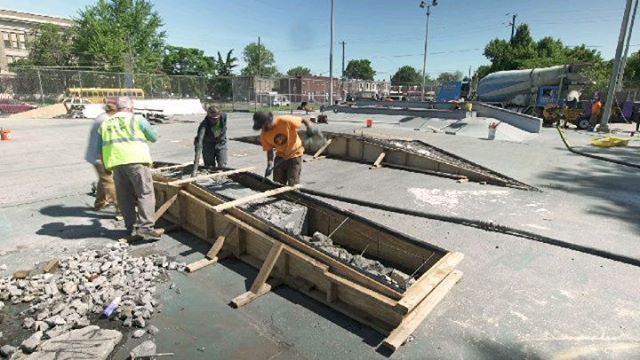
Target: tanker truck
530	90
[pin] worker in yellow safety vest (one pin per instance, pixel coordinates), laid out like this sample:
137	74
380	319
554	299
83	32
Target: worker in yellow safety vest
123	139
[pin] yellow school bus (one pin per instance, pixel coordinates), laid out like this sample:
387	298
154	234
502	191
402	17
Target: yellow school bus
99	95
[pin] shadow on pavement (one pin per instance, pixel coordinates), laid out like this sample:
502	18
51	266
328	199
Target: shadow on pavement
78	231
616	186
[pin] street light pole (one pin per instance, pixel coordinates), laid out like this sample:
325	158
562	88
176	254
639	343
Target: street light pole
426	45
331	54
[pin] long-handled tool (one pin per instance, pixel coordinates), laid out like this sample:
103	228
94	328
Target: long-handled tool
196	159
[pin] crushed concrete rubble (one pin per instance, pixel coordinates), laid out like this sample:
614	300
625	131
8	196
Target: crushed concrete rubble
374	267
90	342
62	303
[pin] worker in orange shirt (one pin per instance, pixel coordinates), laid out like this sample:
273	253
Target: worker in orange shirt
596	111
281	134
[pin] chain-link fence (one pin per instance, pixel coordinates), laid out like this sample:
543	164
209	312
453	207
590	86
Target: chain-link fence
47	85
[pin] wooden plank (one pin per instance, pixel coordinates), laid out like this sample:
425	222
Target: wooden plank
171	167
425	171
259	286
267	266
322	149
197	265
212	254
247	297
209	176
217	245
52	265
427	282
378	161
411	322
250	198
167	204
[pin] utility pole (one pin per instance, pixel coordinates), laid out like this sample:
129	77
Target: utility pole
615	74
259	49
343	43
426	46
626	49
255	79
331	54
513	26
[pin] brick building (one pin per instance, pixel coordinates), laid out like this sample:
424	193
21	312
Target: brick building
17	28
310	88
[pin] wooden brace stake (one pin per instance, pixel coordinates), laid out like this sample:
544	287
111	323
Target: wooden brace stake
322	149
378	161
165	168
250	198
259	286
209	176
164	207
212	254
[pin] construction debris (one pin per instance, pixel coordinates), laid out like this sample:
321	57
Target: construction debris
62	303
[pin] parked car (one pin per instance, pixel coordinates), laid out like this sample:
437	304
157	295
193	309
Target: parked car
11	106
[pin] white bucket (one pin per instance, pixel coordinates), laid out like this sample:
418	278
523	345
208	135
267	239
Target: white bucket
492	133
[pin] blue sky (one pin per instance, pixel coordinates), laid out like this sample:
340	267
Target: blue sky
388	32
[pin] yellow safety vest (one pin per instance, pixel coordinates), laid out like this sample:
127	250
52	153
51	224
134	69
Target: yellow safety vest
123	141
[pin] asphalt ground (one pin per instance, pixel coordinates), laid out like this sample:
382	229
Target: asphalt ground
517	299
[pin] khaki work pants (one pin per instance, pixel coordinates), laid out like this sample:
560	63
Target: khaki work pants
105	189
287	172
134	188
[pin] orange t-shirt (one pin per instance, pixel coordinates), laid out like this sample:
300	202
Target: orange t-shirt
283	137
596	108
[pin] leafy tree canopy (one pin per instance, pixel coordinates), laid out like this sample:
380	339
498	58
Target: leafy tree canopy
299	71
187	61
51	46
112	32
450	76
260	61
523	52
406	75
359	69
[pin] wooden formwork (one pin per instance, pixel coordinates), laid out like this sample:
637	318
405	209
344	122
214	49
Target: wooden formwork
283	258
411	155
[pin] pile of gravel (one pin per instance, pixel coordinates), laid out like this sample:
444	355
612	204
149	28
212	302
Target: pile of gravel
84	285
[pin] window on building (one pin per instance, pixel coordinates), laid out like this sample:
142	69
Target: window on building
22	41
10	59
5	38
14	40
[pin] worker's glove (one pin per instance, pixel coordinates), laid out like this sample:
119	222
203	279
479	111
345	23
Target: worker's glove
313	131
269	169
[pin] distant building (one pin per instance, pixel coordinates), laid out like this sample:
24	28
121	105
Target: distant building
17	31
367	89
310	88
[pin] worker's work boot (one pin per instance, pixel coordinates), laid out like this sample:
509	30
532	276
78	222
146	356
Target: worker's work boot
150	233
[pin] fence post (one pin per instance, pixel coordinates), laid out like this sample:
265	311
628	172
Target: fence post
41	90
233	96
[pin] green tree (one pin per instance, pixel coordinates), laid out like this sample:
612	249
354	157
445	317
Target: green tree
299	71
406	75
632	69
523	52
187	61
450	76
51	46
359	69
260	61
222	83
118	34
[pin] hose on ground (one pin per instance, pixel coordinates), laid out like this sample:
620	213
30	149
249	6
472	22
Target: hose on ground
483	225
593	156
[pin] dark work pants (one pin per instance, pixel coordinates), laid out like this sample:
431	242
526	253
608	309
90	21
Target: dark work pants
214	156
134	188
287	172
